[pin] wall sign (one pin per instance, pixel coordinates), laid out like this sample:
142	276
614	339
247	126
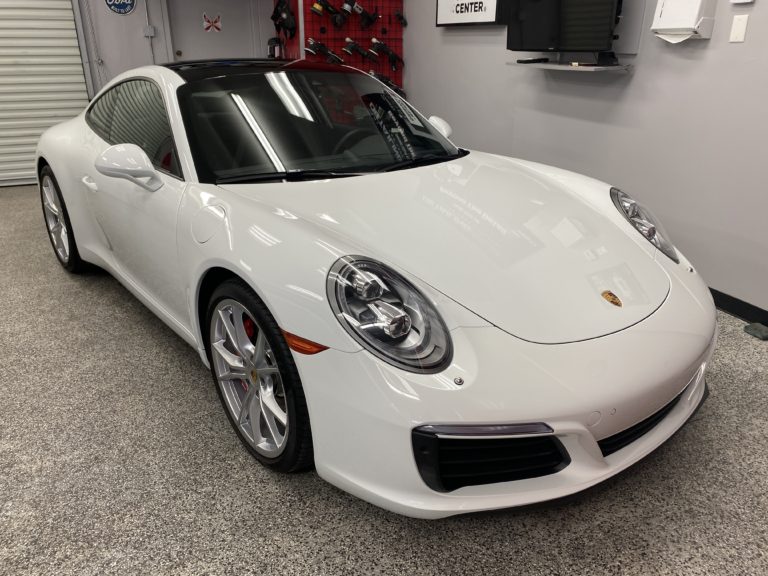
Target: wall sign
458	12
212	25
122	7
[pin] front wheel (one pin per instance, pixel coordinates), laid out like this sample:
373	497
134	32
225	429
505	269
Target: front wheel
257	379
57	223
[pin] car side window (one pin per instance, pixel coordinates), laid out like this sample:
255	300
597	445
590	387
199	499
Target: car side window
139	117
99	116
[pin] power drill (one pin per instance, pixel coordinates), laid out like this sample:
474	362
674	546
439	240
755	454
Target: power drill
315	47
341	18
353	48
378	47
320	6
366	18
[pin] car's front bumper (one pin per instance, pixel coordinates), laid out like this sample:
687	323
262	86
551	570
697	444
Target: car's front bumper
363	411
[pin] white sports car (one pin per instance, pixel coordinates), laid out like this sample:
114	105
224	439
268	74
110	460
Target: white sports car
440	331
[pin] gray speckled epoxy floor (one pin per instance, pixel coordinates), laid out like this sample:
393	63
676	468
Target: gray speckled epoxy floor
116	458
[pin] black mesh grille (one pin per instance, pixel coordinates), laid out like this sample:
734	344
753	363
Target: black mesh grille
446	464
626	437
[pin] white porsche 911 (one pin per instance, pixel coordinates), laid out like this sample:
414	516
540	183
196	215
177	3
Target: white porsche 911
440	331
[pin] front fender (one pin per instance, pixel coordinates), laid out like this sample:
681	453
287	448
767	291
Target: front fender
284	259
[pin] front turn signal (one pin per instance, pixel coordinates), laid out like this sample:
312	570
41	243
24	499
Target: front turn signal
302	345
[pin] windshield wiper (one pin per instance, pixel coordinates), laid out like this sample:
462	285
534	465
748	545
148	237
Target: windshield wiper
304	175
288	176
423	161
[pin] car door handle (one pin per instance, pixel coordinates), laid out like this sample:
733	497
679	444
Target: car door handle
90	184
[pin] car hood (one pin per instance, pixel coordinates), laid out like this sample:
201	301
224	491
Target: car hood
507	240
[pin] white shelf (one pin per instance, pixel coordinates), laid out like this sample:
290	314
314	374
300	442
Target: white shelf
572	68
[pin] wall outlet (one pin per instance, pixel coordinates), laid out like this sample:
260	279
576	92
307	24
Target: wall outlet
739	28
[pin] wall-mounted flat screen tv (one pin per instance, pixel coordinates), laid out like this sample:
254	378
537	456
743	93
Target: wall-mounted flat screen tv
560	25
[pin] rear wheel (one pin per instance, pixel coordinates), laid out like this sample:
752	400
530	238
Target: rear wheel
257	379
57	223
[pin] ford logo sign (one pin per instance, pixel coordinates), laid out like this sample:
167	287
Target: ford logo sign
121	6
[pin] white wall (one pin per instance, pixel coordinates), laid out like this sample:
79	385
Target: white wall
116	43
686	133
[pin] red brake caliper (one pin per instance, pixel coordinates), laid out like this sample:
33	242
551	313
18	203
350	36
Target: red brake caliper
250	328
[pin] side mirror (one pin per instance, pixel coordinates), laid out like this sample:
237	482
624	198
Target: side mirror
129	162
441	126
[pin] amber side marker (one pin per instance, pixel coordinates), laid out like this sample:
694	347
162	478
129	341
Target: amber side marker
302	345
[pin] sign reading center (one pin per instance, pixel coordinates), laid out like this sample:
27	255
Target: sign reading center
453	12
121	6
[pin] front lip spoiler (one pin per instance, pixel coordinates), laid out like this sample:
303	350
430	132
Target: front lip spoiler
431	477
695	410
554	503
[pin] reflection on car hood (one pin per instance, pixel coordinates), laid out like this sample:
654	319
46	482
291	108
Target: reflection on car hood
505	240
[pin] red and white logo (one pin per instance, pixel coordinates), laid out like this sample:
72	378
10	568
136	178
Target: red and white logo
214	24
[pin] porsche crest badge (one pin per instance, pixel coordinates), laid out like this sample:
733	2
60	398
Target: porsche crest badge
612	298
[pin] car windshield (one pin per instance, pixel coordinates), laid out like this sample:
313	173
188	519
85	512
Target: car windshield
262	126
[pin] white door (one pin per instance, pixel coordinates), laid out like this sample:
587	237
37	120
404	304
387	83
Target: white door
208	29
139	226
116	41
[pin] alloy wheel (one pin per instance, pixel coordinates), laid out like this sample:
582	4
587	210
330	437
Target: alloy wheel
249	378
55	219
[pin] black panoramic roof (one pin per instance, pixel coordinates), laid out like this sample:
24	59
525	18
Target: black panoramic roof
203	69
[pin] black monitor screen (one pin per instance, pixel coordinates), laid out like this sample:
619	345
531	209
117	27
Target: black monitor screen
560	25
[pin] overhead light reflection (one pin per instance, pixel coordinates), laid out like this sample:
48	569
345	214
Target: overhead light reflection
305	292
329	248
279	166
284	89
245	265
285	214
264	237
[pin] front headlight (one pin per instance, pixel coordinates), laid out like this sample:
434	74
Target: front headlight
388	315
644	222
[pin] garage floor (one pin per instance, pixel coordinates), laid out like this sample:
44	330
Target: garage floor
116	458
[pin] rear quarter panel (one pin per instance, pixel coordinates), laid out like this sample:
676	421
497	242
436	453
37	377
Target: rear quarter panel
61	147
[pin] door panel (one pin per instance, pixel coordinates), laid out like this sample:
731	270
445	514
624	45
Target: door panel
141	230
139	226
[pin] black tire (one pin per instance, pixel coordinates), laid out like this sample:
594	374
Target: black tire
73	263
297	455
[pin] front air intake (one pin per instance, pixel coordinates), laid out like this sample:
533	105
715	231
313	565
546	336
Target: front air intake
449	463
624	438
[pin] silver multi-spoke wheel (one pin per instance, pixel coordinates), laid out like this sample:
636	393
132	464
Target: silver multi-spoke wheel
249	378
55	219
256	377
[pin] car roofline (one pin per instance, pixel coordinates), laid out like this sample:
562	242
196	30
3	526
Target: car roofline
195	70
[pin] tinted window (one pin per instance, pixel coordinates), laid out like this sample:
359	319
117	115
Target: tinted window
100	115
299	120
139	118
